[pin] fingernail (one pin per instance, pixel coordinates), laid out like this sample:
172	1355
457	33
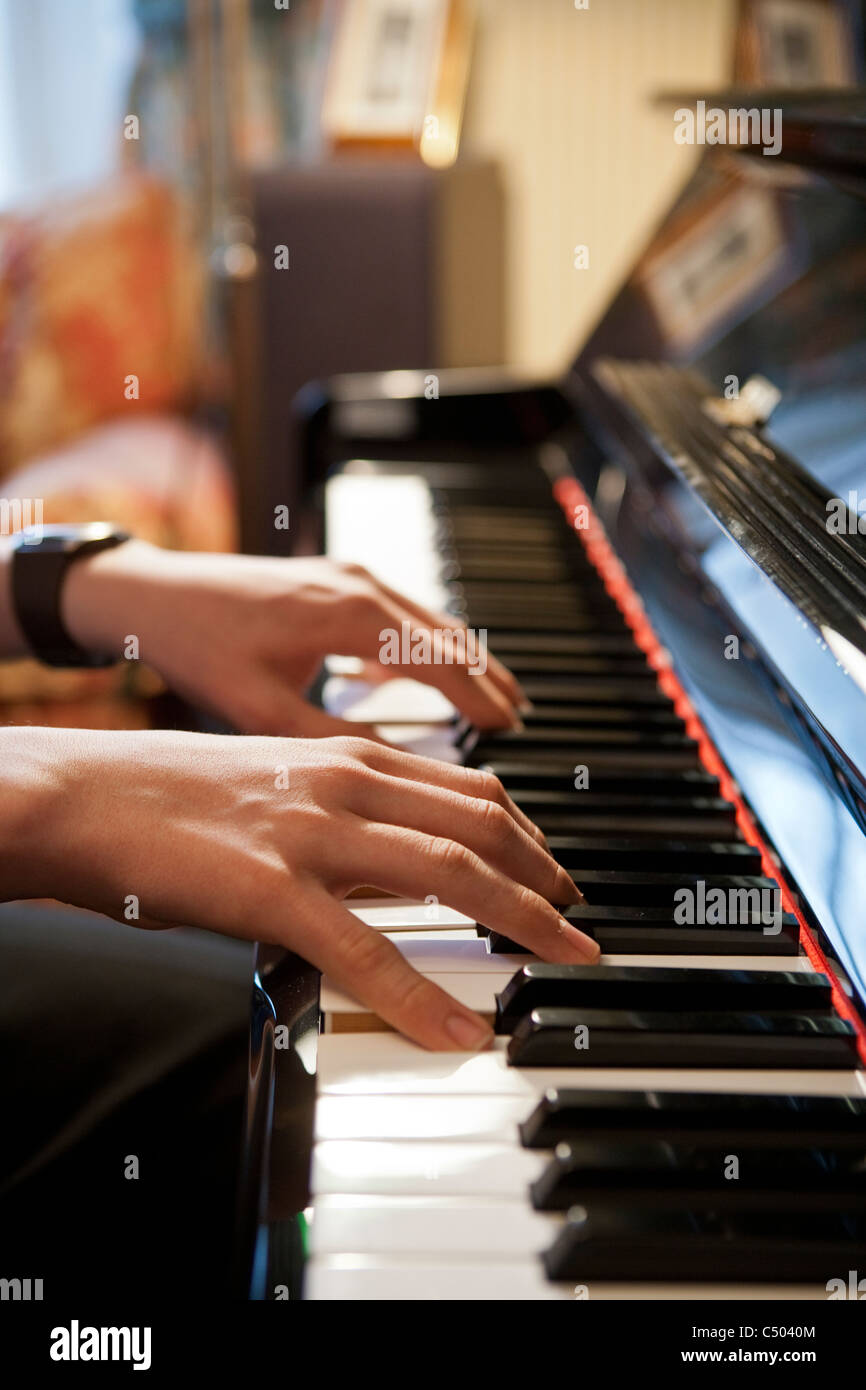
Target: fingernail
517	724
567	890
525	706
468	1032
589	949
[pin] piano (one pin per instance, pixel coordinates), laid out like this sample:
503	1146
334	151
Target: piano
666	547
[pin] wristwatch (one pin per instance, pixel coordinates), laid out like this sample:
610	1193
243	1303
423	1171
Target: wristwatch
41	555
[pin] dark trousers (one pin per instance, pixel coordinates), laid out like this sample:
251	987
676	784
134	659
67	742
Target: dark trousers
123	1057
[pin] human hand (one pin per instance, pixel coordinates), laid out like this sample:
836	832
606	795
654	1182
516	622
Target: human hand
243	636
262	838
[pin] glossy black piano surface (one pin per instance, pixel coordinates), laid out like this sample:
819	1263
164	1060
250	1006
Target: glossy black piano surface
717	522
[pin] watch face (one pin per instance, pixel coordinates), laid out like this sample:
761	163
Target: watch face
66	538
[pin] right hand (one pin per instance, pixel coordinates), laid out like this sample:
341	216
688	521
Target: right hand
262	838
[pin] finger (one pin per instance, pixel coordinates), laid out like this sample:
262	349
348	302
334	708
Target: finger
280	712
484	826
499	673
413	865
365	964
315	723
469	781
430	655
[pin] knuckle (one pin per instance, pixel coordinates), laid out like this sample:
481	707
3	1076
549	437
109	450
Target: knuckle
352	751
498	825
529	906
354	570
416	996
488	786
365	954
366	607
449	856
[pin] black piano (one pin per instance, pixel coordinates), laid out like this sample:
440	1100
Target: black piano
668	547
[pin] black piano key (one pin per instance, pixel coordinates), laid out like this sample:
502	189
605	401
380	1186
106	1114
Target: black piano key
577	853
564	1114
650	1170
746	895
618	777
623	691
642	802
697	1244
492	615
652	931
578	744
560	762
659	988
510	643
630	929
649	934
633	1038
535	669
540	666
486	527
602	717
706	825
478	572
540	624
507	594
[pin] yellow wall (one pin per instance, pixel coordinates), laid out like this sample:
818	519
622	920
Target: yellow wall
560	97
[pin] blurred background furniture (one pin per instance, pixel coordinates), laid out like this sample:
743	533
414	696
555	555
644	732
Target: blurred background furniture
392	264
102	394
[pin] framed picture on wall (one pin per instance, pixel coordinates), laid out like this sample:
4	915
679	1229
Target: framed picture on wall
798	44
397	76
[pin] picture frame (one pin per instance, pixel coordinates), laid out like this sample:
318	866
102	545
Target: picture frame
720	254
797	45
397	77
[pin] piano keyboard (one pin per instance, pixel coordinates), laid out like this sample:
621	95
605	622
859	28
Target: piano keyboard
685	1120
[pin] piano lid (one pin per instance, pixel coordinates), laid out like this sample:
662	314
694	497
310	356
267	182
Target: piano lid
758	270
749	275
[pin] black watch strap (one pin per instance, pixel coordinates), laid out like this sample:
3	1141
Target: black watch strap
40	558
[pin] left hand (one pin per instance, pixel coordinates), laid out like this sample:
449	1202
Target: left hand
243	636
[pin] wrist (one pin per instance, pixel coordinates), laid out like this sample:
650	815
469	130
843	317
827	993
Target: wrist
104	596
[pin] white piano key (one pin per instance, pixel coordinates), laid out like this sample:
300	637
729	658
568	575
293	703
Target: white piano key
712	962
459	1227
410	1167
399	701
450	952
434	954
389	916
395	1278
392	1278
475	990
475	1118
386	523
387	1064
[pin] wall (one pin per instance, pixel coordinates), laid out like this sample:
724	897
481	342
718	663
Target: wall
560	96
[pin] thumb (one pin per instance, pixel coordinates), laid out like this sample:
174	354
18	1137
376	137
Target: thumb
289	715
